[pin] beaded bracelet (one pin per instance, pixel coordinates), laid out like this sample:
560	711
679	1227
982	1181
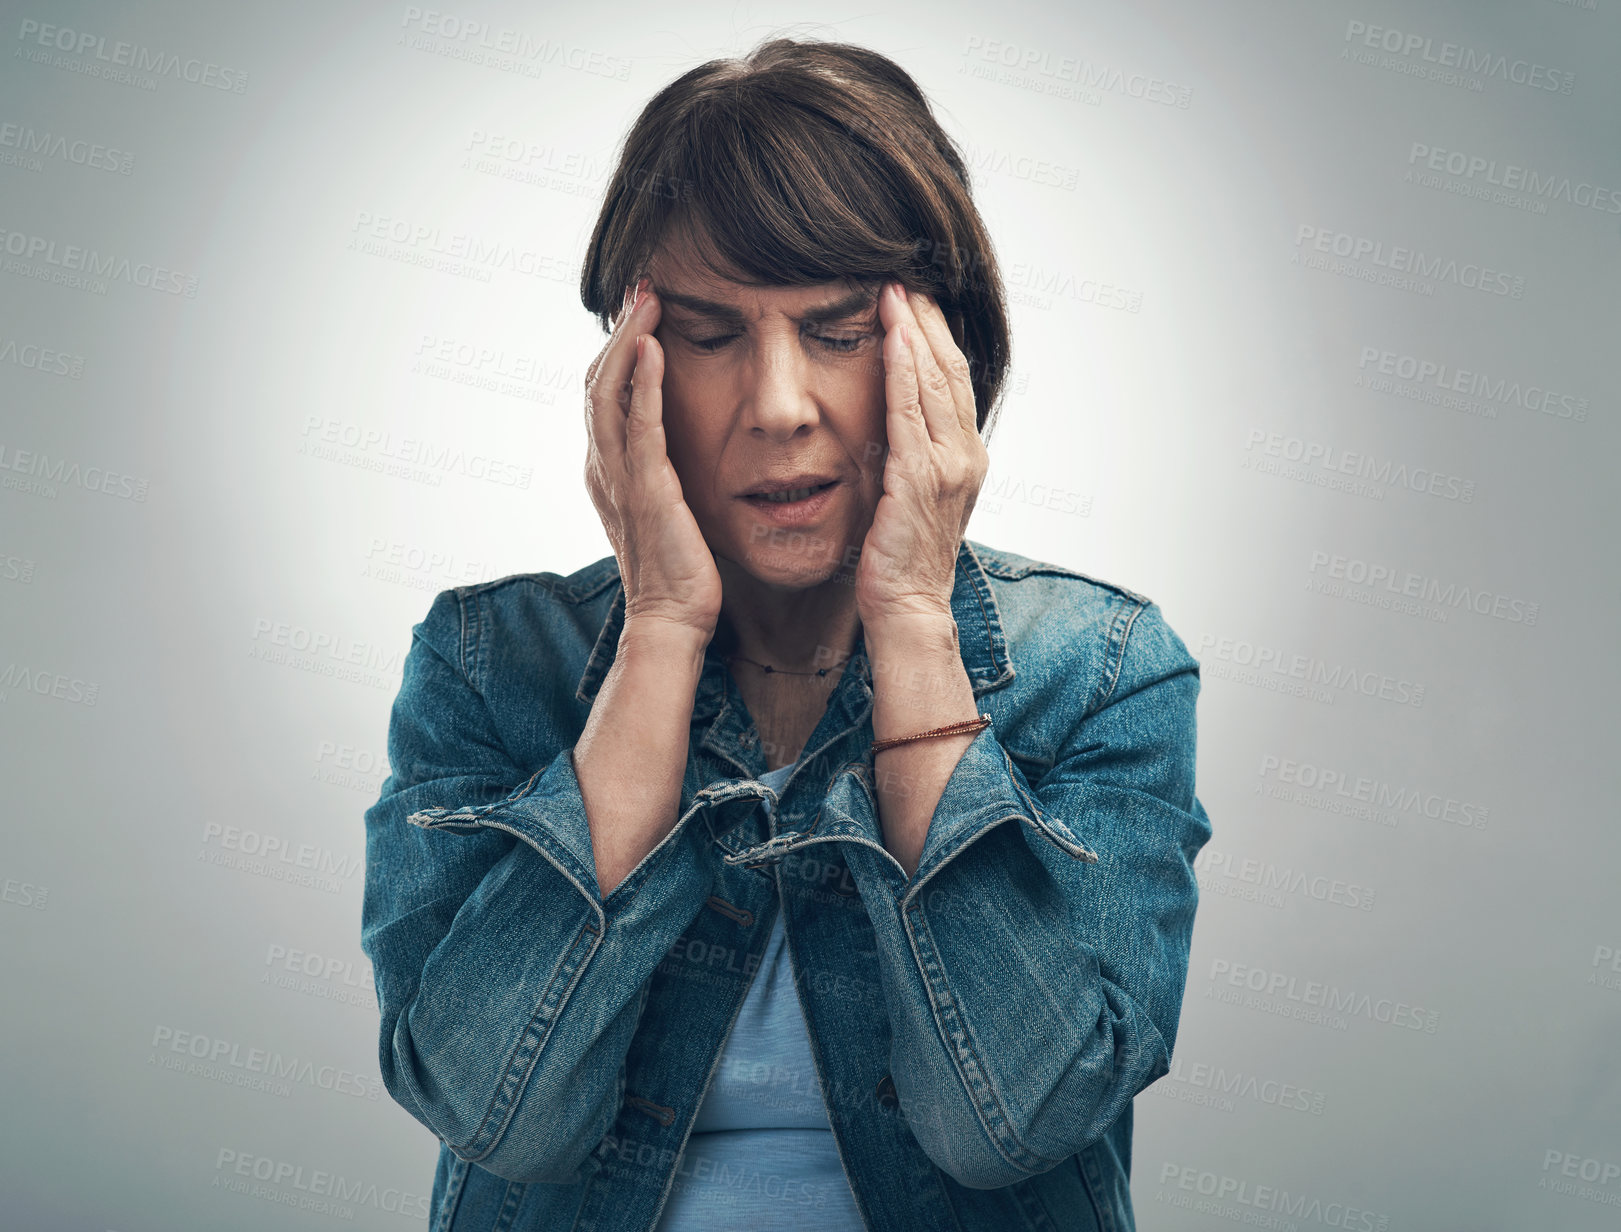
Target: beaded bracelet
951	729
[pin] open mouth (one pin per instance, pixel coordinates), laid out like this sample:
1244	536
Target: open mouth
804	506
791	496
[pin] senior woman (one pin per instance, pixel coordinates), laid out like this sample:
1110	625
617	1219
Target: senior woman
803	864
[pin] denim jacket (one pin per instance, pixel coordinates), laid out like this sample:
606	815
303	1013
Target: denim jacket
979	1029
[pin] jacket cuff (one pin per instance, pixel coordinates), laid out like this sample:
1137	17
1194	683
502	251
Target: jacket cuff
547	812
985	789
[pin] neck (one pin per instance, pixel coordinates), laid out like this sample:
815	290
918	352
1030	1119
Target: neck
792	628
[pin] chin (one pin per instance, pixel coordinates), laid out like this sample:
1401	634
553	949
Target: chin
797	559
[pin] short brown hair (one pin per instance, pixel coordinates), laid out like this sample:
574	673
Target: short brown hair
805	162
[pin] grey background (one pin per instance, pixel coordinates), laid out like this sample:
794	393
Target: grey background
206	593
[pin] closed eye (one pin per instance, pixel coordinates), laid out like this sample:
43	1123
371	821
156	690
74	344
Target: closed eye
842	346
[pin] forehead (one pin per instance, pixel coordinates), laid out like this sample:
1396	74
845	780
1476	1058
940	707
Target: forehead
678	276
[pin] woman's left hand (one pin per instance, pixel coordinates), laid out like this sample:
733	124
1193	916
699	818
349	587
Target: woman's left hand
933	471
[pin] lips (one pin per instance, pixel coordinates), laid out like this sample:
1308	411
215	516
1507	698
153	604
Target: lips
795	486
802	504
787	496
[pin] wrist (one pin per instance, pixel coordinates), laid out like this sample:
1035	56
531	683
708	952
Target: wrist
658	640
918	678
917	629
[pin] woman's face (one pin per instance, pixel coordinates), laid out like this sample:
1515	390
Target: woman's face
768	385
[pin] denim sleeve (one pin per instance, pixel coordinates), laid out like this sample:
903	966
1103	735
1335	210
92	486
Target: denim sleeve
1033	966
509	990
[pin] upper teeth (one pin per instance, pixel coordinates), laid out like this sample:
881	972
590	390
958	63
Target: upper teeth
792	494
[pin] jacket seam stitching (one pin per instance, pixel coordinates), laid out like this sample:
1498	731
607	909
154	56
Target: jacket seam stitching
468	669
453	1192
563	588
998	566
1013	1150
461	636
1119	634
508	1092
1085	1163
995	636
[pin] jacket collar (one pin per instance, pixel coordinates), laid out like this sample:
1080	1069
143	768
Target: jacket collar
980	640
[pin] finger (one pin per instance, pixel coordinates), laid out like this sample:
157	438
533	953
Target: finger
598	425
940	413
614	331
948	356
903	420
644	424
610	386
933	392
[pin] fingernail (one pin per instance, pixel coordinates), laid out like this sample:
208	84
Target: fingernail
906	337
900	290
641	289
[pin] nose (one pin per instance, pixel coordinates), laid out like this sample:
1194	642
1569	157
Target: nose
779	403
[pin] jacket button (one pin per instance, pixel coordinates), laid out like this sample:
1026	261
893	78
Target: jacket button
887	1097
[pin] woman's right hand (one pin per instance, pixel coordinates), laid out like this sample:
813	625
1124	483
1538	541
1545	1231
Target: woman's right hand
665	564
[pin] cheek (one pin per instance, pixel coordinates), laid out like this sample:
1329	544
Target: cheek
864	428
689	438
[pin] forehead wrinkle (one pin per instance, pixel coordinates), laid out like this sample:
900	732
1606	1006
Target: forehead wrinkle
847	305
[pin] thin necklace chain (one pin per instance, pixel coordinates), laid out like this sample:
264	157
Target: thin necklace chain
780	671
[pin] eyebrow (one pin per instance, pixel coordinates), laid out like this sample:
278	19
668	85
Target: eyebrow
835	310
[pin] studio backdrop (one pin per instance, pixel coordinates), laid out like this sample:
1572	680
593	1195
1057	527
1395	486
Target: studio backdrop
1314	313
